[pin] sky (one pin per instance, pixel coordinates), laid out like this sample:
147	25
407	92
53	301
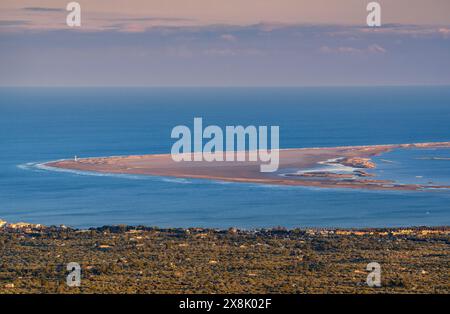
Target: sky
224	43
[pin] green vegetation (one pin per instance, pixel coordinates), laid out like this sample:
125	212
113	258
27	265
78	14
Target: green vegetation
125	259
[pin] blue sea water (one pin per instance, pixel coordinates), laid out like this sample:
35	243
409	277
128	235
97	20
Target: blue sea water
415	166
44	124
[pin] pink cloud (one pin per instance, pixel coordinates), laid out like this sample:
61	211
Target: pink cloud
232	52
228	37
134	28
376	49
445	32
373	49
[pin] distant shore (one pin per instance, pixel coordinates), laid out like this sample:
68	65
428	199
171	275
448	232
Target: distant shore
296	167
27	227
127	259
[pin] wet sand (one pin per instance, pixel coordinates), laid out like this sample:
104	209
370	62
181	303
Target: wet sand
296	167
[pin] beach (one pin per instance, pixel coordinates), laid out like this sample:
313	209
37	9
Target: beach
296	167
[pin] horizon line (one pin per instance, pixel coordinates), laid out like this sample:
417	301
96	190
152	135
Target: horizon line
225	86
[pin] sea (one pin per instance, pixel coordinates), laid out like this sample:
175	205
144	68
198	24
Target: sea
38	125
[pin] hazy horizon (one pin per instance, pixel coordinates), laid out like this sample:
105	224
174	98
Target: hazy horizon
215	43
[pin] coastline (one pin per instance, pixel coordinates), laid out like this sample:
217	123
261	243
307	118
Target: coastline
27	227
302	160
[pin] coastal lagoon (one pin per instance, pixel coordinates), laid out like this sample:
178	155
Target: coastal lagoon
38	125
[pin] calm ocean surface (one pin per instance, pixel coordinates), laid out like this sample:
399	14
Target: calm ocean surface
38	125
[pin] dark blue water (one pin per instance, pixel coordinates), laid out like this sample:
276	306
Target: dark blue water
38	125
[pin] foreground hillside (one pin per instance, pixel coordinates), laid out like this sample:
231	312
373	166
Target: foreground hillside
149	260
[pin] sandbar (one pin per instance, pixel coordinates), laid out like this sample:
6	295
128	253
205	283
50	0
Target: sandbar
342	167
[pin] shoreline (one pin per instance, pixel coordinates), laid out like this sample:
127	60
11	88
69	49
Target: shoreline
302	160
27	227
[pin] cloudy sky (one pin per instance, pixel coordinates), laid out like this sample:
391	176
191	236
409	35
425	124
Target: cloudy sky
224	43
